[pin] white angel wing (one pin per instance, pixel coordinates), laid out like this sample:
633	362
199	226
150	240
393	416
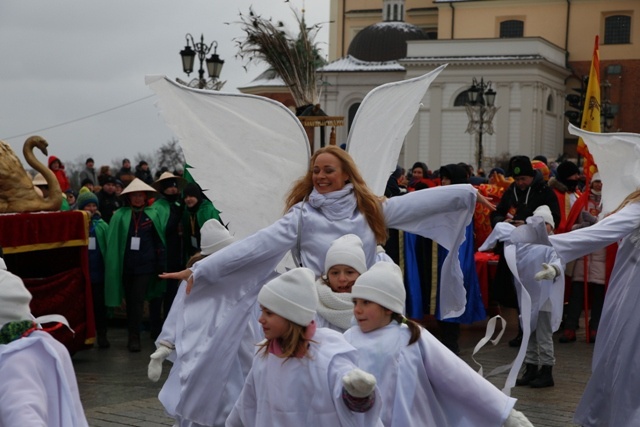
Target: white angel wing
617	156
247	150
381	124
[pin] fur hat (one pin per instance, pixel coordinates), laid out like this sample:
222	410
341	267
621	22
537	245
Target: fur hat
14	299
137	185
85	198
544	212
292	295
383	285
521	165
167	179
346	250
213	237
566	169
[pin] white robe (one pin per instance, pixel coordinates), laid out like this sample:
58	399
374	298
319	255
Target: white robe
226	284
38	386
611	397
425	384
304	391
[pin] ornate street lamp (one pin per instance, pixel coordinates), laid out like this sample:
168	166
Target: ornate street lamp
480	110
214	63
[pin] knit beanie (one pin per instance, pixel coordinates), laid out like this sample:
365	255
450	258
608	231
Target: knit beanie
291	295
566	169
346	250
213	237
84	198
192	189
544	212
383	285
14	299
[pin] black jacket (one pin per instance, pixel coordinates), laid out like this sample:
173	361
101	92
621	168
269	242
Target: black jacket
522	203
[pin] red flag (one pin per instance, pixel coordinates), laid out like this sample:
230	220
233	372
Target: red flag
591	112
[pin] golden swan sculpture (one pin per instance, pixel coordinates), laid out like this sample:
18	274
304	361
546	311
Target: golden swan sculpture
17	193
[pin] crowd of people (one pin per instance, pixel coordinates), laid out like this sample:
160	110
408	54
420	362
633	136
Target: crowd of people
346	318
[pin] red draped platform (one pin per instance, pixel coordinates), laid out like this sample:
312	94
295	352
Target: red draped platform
49	251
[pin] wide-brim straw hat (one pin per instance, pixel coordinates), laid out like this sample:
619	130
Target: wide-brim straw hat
138	185
38	179
168	175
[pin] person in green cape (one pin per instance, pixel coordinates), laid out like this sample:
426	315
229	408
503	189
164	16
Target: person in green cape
170	207
198	210
135	255
98	233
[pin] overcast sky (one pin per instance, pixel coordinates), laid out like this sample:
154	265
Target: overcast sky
73	71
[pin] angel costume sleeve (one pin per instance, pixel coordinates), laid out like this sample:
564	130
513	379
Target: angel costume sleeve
424	384
38	385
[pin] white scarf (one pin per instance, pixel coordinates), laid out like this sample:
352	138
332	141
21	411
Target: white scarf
336	308
336	205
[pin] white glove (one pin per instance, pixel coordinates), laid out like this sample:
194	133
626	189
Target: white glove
517	419
155	365
548	272
359	383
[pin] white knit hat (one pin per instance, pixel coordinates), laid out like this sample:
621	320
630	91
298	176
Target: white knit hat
14	299
596	177
346	250
213	237
544	212
291	295
382	284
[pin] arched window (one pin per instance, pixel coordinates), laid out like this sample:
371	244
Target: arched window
461	99
511	29
550	103
617	29
352	114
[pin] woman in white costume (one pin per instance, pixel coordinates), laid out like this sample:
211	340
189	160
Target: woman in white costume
421	382
344	263
331	200
610	398
38	385
302	376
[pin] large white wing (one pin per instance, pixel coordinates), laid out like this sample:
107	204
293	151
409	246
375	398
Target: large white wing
617	156
246	150
381	124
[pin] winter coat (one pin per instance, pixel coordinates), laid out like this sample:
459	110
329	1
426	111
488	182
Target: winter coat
520	204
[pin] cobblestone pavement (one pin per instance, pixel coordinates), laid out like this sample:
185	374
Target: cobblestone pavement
115	390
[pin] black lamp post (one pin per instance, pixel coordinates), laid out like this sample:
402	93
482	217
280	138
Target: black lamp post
214	63
480	110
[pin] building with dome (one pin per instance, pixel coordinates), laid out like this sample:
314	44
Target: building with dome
533	52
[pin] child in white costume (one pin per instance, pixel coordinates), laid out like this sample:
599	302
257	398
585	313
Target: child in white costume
302	376
345	261
181	338
540	295
422	383
38	386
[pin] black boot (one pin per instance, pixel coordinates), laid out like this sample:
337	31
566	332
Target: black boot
134	343
517	341
530	374
544	378
103	342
